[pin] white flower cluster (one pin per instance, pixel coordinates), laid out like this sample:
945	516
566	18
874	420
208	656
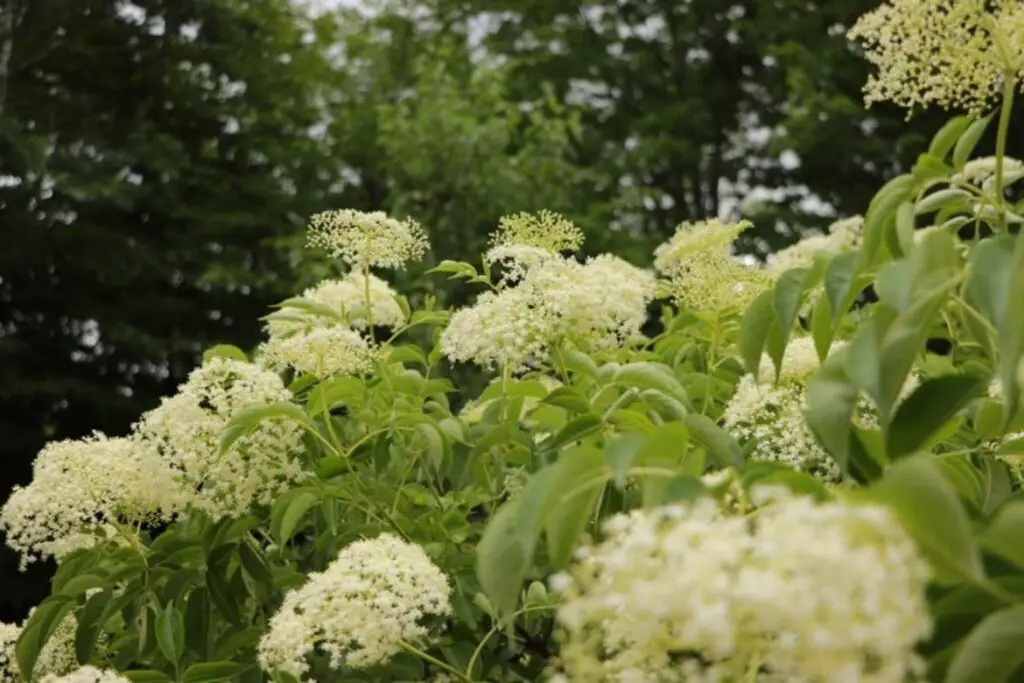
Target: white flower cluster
599	304
324	338
841	236
368	240
345	297
524	241
56	658
704	275
87	674
982	171
771	414
186	429
80	487
801	591
361	610
323	352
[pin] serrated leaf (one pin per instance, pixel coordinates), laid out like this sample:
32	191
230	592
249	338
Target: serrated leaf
293	513
38	630
248	420
948	135
719	444
170	633
146	676
648	375
754	330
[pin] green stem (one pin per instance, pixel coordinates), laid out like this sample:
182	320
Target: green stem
436	662
369	302
1001	135
480	647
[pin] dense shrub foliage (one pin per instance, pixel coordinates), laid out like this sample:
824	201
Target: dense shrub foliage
811	473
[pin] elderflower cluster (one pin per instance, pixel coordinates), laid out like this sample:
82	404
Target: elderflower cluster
600	304
88	674
360	611
343	301
703	274
545	231
951	53
186	430
841	236
982	171
79	487
323	352
771	414
56	658
368	240
802	591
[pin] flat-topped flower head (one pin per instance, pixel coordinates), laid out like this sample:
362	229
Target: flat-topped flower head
597	305
368	240
345	298
321	351
186	430
702	273
544	230
360	611
982	171
80	487
695	592
690	239
55	659
955	54
87	674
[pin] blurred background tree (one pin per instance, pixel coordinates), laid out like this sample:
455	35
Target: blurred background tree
159	159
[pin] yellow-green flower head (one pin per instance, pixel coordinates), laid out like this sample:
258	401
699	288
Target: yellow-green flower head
544	230
710	236
365	240
951	53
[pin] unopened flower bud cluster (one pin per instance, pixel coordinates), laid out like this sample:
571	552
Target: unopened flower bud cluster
800	591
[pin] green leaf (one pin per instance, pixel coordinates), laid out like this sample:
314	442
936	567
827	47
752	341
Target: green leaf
684	488
968	141
831	400
568	398
248	420
648	375
90	622
1011	335
502	560
821	326
930	510
719	444
566	523
293	513
209	672
619	454
82	583
755	328
38	630
926	411
228	351
790	293
170	633
840	277
937	200
1005	533
254	564
574	430
948	136
881	215
146	676
992	651
197	621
